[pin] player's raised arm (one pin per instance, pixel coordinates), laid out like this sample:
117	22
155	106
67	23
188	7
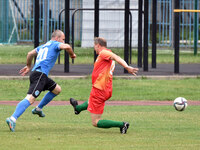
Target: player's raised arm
130	69
30	57
68	48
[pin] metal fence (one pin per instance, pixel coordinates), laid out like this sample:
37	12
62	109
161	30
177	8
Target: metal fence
165	23
8	27
16	21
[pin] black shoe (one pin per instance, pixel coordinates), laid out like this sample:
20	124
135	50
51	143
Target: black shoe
124	129
74	103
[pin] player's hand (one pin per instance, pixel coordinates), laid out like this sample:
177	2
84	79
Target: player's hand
132	70
73	56
24	70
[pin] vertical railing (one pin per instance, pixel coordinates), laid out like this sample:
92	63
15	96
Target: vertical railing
23	11
164	23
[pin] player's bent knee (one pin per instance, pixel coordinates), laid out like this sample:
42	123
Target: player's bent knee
30	98
57	90
94	124
95	119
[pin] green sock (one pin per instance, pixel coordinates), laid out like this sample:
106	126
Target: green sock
82	107
109	124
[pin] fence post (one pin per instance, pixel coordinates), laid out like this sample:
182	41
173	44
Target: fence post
96	23
195	29
126	32
140	33
154	28
67	33
46	20
36	24
5	21
146	14
176	37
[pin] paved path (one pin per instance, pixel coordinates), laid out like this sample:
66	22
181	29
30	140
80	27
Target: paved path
142	103
167	70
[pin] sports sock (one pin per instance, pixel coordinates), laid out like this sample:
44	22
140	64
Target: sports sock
109	124
21	107
82	107
13	119
46	99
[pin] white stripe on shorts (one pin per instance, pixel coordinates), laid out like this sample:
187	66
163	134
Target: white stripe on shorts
37	83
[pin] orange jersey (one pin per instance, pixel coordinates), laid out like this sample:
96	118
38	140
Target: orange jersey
103	71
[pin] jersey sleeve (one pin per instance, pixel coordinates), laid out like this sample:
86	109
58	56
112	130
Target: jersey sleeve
58	46
38	48
105	54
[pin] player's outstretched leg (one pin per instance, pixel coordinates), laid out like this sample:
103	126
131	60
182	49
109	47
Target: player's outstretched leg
21	107
38	111
46	99
110	124
78	108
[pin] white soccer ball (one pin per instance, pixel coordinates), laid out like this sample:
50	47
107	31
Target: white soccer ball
180	103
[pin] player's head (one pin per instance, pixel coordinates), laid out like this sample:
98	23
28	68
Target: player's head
58	35
99	44
101	41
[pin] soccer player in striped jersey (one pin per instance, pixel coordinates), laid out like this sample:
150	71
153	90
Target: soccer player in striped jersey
101	91
47	55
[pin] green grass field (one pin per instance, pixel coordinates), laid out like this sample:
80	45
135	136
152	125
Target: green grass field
151	128
123	89
16	54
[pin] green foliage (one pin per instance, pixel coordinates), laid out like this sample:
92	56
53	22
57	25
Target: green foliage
151	127
77	43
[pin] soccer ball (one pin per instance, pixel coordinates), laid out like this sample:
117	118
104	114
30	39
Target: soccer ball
180	103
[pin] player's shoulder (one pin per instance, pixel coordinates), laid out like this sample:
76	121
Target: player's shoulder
109	50
55	42
106	51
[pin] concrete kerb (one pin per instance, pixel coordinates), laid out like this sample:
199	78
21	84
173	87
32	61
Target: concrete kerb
171	77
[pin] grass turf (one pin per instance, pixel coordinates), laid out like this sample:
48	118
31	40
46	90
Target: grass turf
16	54
123	89
151	127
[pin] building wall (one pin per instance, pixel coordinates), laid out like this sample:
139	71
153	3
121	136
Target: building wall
111	23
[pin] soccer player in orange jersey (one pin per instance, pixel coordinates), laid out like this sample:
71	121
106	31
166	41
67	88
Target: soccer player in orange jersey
102	86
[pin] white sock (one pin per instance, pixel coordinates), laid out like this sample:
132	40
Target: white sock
13	119
38	109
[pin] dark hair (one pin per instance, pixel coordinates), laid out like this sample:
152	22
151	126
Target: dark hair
100	41
57	33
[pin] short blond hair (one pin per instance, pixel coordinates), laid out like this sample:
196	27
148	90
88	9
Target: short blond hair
101	41
57	33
